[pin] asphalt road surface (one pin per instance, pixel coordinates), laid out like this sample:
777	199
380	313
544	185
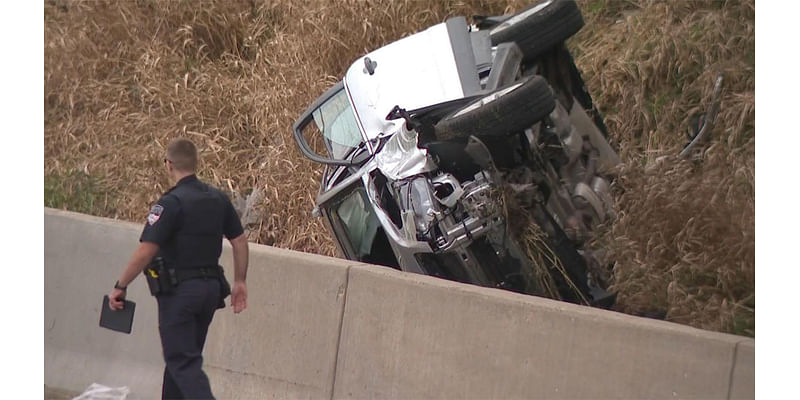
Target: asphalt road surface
58	394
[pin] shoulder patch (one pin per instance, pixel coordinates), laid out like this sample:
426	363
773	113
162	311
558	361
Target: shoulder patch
155	214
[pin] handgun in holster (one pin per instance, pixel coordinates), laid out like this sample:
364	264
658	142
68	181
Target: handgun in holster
225	287
160	279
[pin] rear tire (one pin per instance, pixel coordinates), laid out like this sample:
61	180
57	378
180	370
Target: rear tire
504	111
539	27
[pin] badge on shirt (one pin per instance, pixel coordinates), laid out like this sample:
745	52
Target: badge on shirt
155	214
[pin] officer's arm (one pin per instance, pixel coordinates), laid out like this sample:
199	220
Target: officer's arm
140	259
232	229
239	289
160	225
240	258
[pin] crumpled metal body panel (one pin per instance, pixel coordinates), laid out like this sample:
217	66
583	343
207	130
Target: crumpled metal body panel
401	158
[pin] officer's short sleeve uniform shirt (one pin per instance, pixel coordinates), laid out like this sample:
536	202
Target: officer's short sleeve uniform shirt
162	220
232	227
165	216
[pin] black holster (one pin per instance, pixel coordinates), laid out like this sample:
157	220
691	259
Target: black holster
224	287
160	279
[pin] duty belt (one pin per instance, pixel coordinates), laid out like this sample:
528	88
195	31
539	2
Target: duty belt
183	274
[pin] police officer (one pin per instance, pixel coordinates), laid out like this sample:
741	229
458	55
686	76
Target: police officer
185	229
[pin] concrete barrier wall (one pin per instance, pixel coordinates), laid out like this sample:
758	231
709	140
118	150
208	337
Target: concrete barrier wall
81	256
283	346
318	327
410	336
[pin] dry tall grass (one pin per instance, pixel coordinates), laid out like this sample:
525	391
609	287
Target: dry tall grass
684	242
124	77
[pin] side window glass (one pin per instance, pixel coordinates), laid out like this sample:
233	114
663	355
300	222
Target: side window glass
337	122
358	220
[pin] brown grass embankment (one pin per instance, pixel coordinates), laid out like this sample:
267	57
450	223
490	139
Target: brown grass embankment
123	78
684	242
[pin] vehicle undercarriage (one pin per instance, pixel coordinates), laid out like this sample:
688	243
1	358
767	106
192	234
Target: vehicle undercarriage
487	163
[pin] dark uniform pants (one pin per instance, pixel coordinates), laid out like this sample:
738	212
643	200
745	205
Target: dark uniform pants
183	319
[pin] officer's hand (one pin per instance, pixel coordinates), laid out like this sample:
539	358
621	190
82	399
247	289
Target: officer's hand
239	297
115	299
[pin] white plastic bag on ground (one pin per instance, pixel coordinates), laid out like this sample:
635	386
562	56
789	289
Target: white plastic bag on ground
96	391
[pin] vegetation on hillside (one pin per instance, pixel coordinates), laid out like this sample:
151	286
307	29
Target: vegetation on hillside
122	78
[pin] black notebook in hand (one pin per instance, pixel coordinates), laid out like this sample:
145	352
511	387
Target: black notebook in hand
121	320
